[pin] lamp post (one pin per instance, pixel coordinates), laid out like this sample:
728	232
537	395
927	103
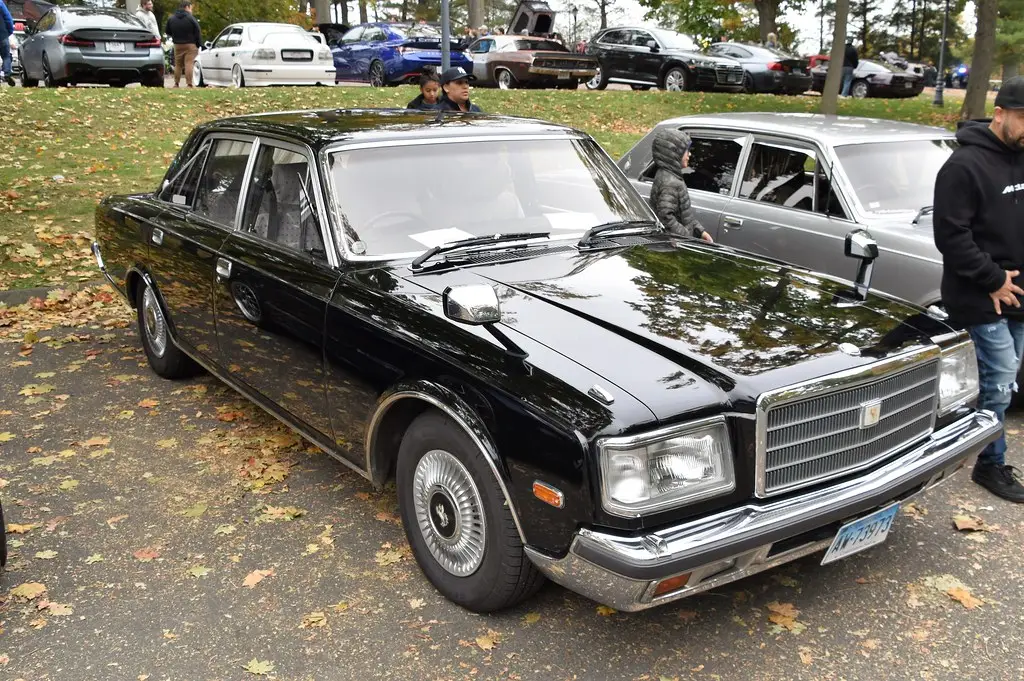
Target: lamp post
575	37
446	37
940	79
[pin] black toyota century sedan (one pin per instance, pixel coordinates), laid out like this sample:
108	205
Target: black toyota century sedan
557	386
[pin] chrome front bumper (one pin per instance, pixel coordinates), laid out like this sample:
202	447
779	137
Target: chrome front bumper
624	571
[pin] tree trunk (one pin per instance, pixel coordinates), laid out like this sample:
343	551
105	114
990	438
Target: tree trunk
982	61
405	10
767	10
864	28
830	93
303	6
322	11
362	12
921	33
603	7
476	13
913	27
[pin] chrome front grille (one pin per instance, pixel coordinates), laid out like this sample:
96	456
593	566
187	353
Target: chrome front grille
803	440
729	75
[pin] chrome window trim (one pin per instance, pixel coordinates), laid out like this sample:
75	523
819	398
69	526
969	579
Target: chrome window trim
843	380
204	149
658	435
334	204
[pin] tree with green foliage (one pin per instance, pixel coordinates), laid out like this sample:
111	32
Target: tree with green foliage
1010	37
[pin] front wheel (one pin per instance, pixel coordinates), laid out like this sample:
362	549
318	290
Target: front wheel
676	80
599	81
748	84
455	517
164	357
504	79
197	74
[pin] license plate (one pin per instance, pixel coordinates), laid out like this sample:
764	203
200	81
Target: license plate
734	78
563	75
115	47
861	534
906	85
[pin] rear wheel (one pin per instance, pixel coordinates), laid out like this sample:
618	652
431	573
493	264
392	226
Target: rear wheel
748	84
599	81
164	357
376	75
676	79
237	78
859	89
504	79
459	527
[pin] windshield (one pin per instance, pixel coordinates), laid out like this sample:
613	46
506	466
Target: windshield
894	176
676	41
405	199
545	45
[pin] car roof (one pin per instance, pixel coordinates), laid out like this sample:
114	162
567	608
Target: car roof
832	130
319	128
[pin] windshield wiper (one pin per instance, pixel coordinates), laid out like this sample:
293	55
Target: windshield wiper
927	210
594	232
473	241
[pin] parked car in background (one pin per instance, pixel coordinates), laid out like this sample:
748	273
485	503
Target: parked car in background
251	54
766	69
511	61
391	54
15	40
557	386
874	79
72	45
654	57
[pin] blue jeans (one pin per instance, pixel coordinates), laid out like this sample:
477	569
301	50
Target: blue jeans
5	55
847	80
999	346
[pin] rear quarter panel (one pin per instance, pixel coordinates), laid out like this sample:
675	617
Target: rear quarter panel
122	233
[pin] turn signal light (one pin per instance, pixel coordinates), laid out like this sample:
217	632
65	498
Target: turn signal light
548	494
671	584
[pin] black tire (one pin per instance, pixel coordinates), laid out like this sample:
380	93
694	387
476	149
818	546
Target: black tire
748	84
676	79
376	75
29	82
164	357
118	84
598	82
49	80
237	77
640	88
859	89
504	575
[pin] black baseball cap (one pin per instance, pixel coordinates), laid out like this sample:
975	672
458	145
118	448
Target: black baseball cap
1011	94
456	73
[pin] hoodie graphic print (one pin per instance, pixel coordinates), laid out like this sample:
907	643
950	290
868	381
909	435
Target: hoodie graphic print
669	195
979	224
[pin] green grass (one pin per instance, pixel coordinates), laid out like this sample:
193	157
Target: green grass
65	149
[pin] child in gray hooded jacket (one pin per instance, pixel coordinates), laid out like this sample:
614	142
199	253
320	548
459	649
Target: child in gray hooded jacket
669	195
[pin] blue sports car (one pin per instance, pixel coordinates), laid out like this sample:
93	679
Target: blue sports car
391	54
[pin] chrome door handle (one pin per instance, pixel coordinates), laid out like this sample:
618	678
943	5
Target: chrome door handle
223	269
157	237
732	222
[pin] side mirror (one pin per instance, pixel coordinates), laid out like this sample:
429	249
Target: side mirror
652	45
861	246
207	45
475	304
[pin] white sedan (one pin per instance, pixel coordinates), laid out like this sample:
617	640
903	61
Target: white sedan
264	54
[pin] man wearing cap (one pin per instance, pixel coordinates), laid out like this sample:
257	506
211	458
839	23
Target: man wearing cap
455	83
979	228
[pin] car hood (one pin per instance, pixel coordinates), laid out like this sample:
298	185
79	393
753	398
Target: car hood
670	315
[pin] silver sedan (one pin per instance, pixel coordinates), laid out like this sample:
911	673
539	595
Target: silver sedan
71	45
792	186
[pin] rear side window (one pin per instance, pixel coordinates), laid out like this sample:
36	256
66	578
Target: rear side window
615	37
713	161
221	183
280	205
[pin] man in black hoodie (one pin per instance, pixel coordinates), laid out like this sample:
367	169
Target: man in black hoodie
188	38
979	228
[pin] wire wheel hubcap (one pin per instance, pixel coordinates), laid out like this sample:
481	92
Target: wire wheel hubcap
154	323
449	512
674	80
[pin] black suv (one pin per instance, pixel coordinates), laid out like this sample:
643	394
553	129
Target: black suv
646	57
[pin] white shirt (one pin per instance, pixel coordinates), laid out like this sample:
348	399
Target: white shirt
149	19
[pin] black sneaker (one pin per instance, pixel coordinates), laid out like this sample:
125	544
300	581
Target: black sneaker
10	80
1000	480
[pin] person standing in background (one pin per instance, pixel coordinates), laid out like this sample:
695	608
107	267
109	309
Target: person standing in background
146	16
850	62
187	37
6	31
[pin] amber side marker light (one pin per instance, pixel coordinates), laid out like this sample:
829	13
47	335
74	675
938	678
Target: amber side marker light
548	494
671	584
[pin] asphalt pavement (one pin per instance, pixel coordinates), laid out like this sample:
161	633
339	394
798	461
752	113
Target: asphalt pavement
169	530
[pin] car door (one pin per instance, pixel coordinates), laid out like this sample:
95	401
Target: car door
786	206
614	52
200	206
644	62
364	51
212	60
33	47
715	156
273	282
480	51
343	56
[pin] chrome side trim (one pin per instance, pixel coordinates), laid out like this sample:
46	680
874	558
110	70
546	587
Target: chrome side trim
735	544
477	434
828	384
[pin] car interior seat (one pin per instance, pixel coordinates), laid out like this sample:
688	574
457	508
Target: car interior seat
292	221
